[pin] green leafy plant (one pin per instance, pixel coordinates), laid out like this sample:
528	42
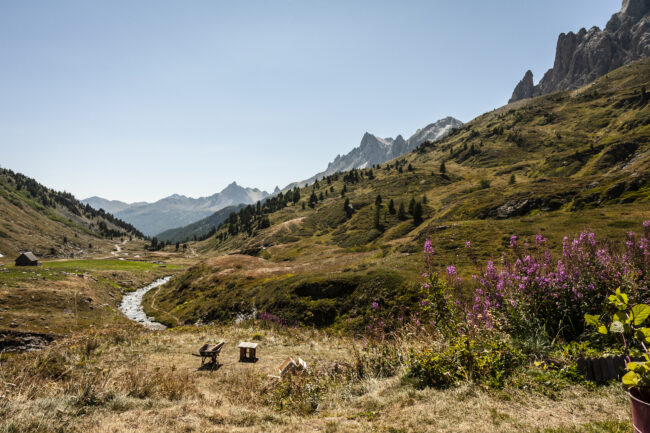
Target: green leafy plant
488	362
626	322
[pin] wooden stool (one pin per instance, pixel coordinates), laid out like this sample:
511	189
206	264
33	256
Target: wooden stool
247	351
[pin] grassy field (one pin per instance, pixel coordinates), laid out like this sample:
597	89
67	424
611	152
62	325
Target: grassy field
122	379
68	295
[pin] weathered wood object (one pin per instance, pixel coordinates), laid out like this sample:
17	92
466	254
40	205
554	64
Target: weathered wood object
209	352
247	352
604	369
291	366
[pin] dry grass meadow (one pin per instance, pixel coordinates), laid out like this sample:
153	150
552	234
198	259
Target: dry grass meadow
127	379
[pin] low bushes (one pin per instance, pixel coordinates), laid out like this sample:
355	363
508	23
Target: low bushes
487	362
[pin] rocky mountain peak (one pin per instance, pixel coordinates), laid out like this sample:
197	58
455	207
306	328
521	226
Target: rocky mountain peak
635	8
525	88
582	57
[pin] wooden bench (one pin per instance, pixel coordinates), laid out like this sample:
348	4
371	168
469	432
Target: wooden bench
209	353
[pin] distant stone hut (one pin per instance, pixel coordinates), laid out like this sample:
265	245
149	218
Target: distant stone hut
27	259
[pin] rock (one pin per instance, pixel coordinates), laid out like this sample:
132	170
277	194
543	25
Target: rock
615	191
582	57
525	89
13	324
513	208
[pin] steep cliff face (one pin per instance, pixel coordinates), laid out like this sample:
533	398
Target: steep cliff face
525	88
584	56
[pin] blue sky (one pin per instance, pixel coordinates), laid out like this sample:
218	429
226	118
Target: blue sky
136	100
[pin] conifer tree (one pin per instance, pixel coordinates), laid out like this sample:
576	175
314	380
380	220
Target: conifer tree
391	207
412	205
417	214
313	199
348	208
401	213
443	169
513	180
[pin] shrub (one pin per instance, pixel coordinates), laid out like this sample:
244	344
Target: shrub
533	289
487	362
297	393
378	360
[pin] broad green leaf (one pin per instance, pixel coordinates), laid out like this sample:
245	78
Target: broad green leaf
617	327
622	297
602	329
591	320
620	316
631	366
643	334
631	379
640	313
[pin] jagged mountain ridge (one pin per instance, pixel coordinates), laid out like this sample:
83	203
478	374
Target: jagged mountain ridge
375	150
178	210
589	54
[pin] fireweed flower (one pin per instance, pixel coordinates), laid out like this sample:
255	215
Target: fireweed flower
451	270
428	247
375	305
468	244
513	241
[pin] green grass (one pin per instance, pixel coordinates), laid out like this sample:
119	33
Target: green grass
12	274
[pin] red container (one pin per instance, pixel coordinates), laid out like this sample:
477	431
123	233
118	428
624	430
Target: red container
640	401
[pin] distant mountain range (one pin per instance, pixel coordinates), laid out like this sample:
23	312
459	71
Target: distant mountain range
176	210
375	150
178	217
582	57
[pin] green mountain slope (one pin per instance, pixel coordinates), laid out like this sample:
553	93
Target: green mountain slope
552	164
199	229
52	223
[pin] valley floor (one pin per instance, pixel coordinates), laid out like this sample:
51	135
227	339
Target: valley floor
127	379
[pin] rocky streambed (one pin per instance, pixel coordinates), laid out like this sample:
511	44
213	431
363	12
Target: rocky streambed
131	305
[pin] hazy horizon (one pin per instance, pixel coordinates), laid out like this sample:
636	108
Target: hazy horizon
137	101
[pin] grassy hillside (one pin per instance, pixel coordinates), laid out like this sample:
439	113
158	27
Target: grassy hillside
52	223
553	164
200	229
